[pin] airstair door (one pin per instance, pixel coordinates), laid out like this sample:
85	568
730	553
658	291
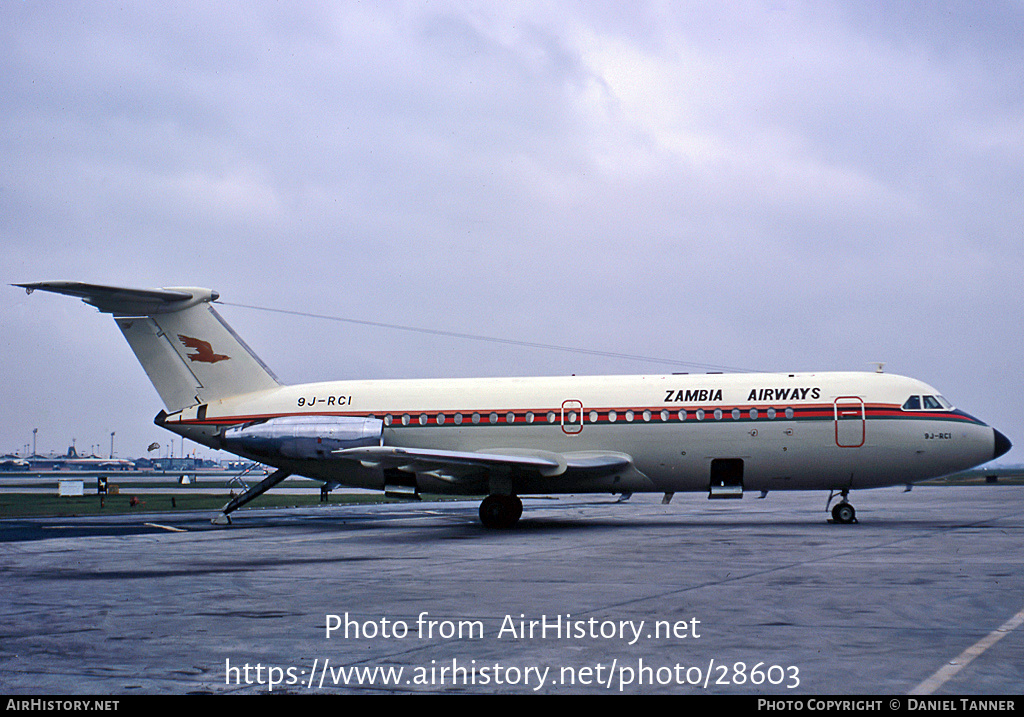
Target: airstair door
726	479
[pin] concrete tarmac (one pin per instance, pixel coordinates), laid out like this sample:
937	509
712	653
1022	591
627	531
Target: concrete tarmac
924	595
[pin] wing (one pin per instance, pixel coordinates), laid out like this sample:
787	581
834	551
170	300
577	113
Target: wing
457	466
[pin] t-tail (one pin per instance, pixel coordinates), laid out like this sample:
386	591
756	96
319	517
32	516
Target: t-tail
189	353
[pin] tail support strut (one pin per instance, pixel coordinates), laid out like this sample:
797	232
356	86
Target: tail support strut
257	490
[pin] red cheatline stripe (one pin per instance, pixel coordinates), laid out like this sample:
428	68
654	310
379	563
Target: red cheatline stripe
540	416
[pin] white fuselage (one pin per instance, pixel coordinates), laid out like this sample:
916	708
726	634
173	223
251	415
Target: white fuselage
505	437
834	431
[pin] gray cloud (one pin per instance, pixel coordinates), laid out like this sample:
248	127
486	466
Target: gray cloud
777	186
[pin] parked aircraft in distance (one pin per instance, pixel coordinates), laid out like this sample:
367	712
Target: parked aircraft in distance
505	437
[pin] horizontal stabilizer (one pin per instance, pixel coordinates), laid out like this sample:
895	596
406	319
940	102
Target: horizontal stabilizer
123	301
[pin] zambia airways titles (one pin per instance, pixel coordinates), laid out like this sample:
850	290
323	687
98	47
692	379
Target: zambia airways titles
757	395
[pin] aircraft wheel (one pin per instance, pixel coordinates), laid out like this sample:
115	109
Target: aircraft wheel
517	506
844	513
500	511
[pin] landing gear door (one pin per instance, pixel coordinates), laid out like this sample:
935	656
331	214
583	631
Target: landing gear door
850	421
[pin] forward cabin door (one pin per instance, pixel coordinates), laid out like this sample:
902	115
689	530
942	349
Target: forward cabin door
851	421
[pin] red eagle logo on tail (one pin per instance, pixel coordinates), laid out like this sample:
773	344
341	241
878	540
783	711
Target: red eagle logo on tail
203	350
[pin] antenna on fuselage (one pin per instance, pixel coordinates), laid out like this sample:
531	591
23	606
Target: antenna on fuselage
879	365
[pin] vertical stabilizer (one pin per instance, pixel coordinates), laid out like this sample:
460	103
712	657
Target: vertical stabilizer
189	353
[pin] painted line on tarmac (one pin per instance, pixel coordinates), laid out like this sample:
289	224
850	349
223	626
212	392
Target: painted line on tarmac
166	527
950	669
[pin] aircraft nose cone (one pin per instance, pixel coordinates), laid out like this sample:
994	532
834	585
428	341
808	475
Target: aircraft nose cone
1002	444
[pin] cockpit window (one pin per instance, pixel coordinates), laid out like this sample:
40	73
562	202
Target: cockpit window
927	403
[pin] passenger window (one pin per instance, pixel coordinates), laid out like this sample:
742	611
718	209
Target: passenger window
913	404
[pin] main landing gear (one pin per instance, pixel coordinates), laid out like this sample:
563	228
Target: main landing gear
842	512
501	511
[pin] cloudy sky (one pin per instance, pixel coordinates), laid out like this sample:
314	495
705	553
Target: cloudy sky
753	185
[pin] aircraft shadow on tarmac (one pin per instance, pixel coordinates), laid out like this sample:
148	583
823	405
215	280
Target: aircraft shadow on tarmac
459	521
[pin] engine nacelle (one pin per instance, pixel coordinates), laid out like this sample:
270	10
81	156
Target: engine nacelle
303	436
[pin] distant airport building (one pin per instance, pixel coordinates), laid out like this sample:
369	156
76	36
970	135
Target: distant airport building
187	463
72	461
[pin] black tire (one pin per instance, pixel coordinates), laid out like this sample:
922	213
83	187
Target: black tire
844	513
500	512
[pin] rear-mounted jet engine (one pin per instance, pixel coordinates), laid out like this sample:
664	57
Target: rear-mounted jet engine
303	437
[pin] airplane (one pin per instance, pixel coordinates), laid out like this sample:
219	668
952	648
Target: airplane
723	434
